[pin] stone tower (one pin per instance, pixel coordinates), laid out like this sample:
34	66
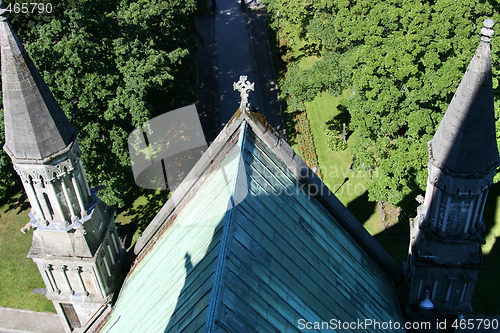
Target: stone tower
75	244
445	245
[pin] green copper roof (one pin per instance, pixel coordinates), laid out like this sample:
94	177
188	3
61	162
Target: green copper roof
177	274
248	249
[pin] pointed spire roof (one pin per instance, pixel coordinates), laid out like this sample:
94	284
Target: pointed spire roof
465	141
36	128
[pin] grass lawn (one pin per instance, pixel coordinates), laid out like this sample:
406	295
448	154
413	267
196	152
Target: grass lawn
19	274
141	212
335	165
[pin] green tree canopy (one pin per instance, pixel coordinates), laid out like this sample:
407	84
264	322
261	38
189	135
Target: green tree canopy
403	61
112	65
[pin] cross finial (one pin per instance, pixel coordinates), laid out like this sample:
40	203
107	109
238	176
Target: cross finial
243	86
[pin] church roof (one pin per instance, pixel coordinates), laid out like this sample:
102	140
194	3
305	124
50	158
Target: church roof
252	240
465	141
35	126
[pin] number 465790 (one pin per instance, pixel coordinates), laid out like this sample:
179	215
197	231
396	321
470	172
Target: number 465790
30	8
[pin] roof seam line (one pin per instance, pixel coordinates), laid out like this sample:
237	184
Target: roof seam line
215	298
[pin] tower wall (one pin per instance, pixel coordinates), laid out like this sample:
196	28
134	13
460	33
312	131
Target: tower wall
75	244
445	241
76	249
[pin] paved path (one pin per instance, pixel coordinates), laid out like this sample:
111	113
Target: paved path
235	44
22	321
267	86
206	78
233	57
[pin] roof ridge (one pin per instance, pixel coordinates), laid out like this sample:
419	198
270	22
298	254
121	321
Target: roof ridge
227	234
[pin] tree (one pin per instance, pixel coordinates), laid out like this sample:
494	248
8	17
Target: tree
294	16
403	61
112	65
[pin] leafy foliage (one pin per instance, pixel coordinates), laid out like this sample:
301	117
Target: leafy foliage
305	139
304	136
112	65
403	61
295	16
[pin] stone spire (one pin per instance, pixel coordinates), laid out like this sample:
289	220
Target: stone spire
75	244
44	130
445	237
465	141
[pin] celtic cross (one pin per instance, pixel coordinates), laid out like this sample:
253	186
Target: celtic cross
243	86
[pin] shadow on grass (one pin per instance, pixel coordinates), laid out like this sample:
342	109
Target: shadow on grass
491	208
135	217
486	298
18	199
361	207
395	240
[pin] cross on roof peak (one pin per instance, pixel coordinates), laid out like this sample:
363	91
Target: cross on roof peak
244	86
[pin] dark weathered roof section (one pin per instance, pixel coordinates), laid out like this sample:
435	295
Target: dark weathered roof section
465	141
289	258
36	128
